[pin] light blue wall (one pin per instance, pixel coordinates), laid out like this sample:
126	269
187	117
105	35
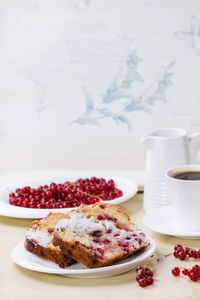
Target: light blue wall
82	80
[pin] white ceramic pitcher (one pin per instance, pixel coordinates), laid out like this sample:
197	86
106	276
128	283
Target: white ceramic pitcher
166	148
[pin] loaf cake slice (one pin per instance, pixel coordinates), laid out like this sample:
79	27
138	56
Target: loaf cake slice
39	240
98	235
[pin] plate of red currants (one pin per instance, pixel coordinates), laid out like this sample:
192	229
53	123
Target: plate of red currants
37	198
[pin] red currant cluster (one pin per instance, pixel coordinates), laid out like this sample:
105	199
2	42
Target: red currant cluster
193	274
183	252
67	194
144	276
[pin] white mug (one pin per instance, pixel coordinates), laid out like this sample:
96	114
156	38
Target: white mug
185	197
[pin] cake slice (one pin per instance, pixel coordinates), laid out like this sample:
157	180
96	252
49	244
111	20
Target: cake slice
98	235
39	240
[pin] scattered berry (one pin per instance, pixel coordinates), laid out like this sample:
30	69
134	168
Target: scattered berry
176	271
142	282
193	274
182	255
149	280
196	268
148	272
144	277
178	248
183	252
185	272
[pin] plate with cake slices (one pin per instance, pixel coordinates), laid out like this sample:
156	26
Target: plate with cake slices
31	262
37	198
89	242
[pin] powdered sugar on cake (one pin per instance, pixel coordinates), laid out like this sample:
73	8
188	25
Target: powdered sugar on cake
41	237
102	233
79	223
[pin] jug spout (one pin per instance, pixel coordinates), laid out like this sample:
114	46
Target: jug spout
147	140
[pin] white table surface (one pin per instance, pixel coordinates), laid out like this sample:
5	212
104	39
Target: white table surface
17	283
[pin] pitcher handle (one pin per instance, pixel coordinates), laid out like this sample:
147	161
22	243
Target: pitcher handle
192	136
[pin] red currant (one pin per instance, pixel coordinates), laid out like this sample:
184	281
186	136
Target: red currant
178	247
144	277
185	272
68	194
182	255
142	282
193	276
176	271
196	268
149	280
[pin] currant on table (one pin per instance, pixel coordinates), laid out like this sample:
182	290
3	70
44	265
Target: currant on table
144	276
193	274
176	271
185	252
182	253
67	194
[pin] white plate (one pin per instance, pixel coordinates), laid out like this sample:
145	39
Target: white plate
162	220
128	187
30	261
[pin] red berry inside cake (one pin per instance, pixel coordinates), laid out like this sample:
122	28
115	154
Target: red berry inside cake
99	235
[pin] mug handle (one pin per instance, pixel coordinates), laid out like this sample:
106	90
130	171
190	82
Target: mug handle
192	136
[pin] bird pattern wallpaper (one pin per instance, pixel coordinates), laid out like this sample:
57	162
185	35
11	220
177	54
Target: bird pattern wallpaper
82	80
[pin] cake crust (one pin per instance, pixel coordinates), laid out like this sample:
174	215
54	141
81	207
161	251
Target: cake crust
85	256
49	251
53	254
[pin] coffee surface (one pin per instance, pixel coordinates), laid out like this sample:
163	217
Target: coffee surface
187	175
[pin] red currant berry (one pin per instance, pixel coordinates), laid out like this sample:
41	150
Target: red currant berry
182	255
185	272
148	272
176	271
142	282
139	268
187	249
178	247
176	254
191	253
149	280
196	268
141	273
193	276
138	278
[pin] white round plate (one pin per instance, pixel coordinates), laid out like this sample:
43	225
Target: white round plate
162	220
128	187
27	260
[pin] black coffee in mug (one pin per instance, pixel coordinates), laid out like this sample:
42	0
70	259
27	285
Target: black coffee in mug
187	175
